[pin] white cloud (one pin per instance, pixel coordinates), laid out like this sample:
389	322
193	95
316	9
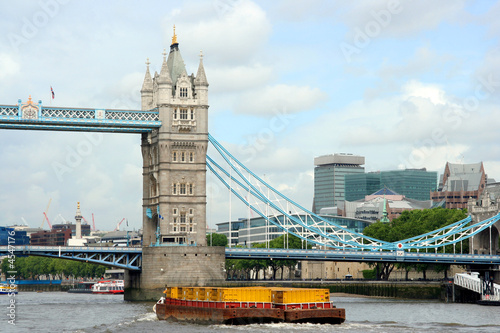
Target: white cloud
8	66
397	18
238	78
291	99
230	36
434	157
433	93
421	126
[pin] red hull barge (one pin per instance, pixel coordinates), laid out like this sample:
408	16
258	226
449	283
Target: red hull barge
244	312
217	315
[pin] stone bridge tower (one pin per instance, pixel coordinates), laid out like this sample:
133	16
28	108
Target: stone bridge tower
483	208
174	248
174	169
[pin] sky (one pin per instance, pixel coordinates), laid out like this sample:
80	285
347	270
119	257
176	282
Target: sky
407	84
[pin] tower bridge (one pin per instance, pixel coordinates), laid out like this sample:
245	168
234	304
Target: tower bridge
173	123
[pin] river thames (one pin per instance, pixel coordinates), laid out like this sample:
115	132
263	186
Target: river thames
64	312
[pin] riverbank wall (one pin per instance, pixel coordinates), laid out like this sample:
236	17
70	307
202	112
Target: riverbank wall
430	290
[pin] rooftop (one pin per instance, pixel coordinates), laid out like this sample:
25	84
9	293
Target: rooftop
348	159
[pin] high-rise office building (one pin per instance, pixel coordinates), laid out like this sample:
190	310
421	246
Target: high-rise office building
359	185
412	183
329	178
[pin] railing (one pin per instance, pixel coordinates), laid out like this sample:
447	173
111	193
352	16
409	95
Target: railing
471	282
474	283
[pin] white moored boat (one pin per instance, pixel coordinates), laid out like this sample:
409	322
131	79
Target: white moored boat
109	287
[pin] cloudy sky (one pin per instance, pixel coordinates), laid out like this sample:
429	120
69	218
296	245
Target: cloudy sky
407	84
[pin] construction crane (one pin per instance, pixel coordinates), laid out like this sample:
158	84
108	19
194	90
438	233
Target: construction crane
46	218
46	211
118	225
93	222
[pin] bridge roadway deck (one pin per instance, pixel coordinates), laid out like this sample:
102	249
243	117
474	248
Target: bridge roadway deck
78	119
363	256
131	257
123	257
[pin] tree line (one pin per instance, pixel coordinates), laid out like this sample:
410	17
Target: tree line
413	223
33	268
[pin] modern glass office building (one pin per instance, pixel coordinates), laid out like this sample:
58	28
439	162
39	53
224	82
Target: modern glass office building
359	185
412	183
329	178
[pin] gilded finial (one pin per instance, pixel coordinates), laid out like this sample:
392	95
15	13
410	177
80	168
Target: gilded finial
174	38
78	204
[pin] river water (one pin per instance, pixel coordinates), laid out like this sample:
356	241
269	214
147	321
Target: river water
64	312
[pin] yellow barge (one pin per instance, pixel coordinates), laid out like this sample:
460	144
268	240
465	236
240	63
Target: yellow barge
248	305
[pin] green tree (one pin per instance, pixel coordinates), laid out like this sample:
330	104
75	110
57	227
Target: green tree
33	267
409	224
214	239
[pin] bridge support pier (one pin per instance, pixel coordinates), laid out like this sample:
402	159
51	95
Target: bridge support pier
175	266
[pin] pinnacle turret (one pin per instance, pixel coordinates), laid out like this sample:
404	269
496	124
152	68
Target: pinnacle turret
201	78
164	73
147	86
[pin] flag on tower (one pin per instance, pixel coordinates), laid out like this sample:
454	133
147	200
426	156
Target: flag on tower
52	91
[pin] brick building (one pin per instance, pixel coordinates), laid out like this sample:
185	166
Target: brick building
460	182
54	237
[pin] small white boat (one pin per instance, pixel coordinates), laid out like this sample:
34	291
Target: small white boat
109	287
